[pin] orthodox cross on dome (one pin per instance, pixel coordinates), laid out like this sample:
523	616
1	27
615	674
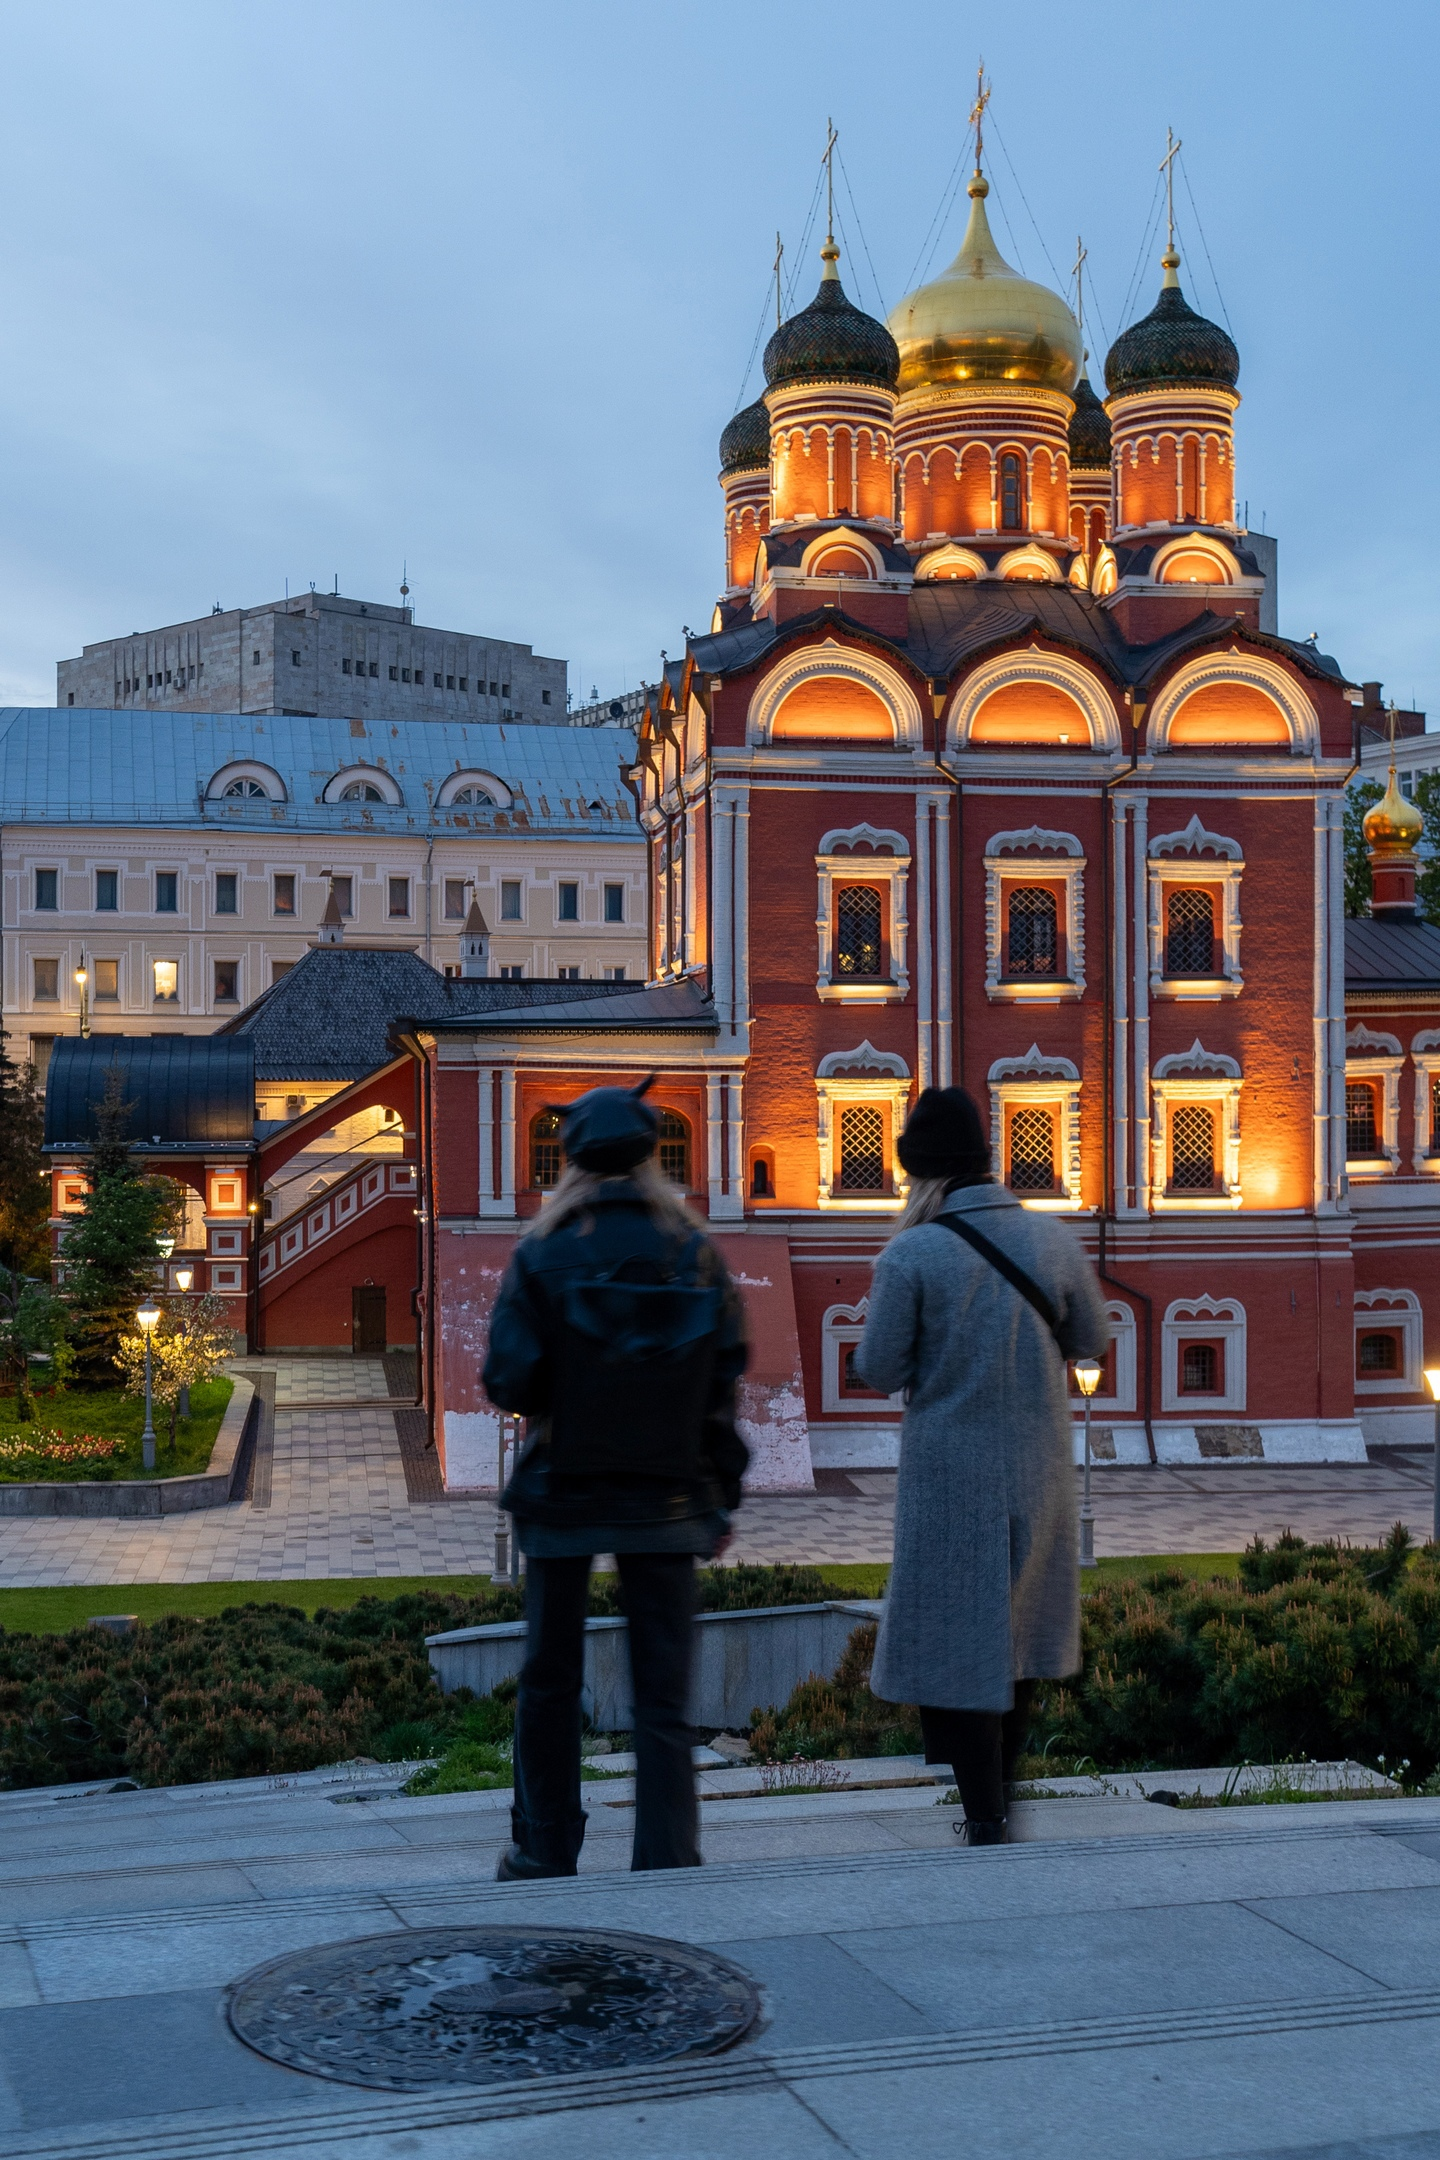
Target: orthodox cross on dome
977	112
1082	256
1170	258
779	258
829	254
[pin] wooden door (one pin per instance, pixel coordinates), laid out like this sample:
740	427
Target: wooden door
367	1303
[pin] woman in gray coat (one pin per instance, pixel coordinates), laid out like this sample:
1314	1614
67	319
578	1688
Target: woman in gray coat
984	1595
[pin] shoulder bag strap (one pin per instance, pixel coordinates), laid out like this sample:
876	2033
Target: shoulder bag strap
1028	1288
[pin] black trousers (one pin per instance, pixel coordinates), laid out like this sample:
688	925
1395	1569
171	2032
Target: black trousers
982	1747
548	1822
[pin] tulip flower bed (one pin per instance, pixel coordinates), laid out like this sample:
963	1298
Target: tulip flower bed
1320	1652
91	1432
37	1453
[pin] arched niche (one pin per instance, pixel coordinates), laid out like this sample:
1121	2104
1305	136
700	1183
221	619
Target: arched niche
832	708
836	694
1030	712
1033	698
846	562
1229	715
1241	701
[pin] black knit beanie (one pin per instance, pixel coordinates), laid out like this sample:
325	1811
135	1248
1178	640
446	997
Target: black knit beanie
609	1130
944	1138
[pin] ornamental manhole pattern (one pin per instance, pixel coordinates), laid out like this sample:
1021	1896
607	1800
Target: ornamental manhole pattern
488	2006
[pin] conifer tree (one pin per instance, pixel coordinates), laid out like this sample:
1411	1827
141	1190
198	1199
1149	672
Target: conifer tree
24	1179
110	1253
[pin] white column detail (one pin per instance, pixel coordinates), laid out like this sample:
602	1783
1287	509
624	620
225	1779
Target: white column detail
741	913
923	934
942	943
486	1108
507	1140
1120	1143
1140	976
722	911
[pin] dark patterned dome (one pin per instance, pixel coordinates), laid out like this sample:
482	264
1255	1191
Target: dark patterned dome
832	341
1172	344
746	440
1089	430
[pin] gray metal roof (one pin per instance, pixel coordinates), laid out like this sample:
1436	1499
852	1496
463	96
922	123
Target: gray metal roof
1391	955
64	765
185	1092
675	1007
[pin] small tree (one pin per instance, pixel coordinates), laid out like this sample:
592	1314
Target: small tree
33	1323
1358	884
110	1254
189	1344
1427	885
24	1178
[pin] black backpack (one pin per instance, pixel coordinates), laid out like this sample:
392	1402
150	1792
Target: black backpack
632	1364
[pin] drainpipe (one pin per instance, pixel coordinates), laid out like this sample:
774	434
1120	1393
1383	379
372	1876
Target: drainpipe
429	894
1107	1078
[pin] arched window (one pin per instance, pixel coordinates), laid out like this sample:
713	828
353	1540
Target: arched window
1033	945
1012	498
857	914
674	1149
545	1150
361	791
760	1186
1379	1354
862	1149
461	795
1361	1135
1032	1150
1192	1149
1199	1369
1190	933
246	790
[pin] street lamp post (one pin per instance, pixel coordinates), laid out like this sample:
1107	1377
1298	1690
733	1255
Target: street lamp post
82	978
1432	1380
1087	1379
184	1276
148	1318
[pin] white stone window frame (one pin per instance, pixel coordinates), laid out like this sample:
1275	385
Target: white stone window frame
1051	1083
1121	1402
834	661
1196	857
841	1328
1020	857
862	1075
1255	673
1214	1080
1425	1052
1376	1309
1203	1319
1372	1056
839	859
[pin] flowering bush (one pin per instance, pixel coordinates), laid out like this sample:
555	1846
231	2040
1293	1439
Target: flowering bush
41	1446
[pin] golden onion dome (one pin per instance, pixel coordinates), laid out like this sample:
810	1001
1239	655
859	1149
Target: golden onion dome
1393	826
981	321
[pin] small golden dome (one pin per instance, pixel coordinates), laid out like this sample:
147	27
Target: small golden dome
980	321
1393	826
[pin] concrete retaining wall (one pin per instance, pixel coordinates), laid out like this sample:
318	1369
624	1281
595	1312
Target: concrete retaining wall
743	1660
222	1482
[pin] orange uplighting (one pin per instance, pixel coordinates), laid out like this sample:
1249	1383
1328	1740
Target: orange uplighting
1192	566
1228	713
832	708
1030	712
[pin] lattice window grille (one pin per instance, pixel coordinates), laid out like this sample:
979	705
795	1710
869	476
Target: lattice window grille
1033	946
545	1151
1190	945
1379	1353
1361	1137
1192	1149
857	947
674	1148
1198	1369
1435	1113
1032	1150
862	1149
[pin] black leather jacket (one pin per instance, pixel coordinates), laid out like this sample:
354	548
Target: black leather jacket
525	1333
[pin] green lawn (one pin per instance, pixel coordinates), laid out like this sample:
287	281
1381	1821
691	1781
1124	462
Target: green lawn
51	1612
111	1414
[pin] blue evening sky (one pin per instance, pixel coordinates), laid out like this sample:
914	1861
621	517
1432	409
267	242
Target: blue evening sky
296	292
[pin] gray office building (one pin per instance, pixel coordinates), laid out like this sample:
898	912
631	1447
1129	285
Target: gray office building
319	656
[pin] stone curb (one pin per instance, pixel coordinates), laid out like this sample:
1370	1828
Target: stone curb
214	1487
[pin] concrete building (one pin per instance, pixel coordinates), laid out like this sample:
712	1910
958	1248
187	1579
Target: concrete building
184	861
1417	752
317	655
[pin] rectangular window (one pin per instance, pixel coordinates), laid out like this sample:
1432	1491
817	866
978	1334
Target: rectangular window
454	899
464	682
399	896
504	689
1190	934
567	905
512	974
279	968
857	943
1377	1354
494	687
227	892
344	890
1361	1136
294	659
167	981
1202	1368
567	974
107	980
545	697
1032	946
1192	1149
375	668
167	892
107	891
615	974
510	900
284	893
1032	1150
47	889
404	674
47	980
40	1049
1435	1113
255	657
395	675
439	680
614	903
345	667
227	982
449	682
862	1149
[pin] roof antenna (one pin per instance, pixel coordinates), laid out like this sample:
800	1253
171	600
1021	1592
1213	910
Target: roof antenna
404	583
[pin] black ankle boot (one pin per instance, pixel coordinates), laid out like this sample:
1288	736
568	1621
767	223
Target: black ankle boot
517	1866
982	1833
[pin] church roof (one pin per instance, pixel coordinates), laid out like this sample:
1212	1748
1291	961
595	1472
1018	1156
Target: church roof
831	340
1398	956
639	1009
1171	345
183	1092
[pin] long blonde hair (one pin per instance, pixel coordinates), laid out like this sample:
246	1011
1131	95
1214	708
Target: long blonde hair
923	1203
577	1188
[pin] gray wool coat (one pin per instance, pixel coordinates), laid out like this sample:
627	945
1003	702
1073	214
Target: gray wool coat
985	1586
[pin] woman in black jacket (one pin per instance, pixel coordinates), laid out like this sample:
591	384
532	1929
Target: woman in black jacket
620	1336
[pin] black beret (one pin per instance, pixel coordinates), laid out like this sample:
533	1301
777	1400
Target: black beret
609	1130
944	1137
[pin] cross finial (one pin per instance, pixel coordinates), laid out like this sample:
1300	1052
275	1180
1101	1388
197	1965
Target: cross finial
977	112
1081	257
779	258
828	161
1167	166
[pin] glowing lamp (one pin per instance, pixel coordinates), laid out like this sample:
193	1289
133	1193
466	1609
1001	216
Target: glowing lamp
148	1316
1432	1381
82	976
164	1246
184	1276
1087	1376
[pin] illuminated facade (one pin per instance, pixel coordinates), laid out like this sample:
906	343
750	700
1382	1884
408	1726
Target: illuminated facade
987	772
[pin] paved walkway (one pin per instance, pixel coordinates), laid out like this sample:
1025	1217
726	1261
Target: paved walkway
338	1505
1127	1979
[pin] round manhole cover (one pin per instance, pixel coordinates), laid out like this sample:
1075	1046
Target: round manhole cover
485	2006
